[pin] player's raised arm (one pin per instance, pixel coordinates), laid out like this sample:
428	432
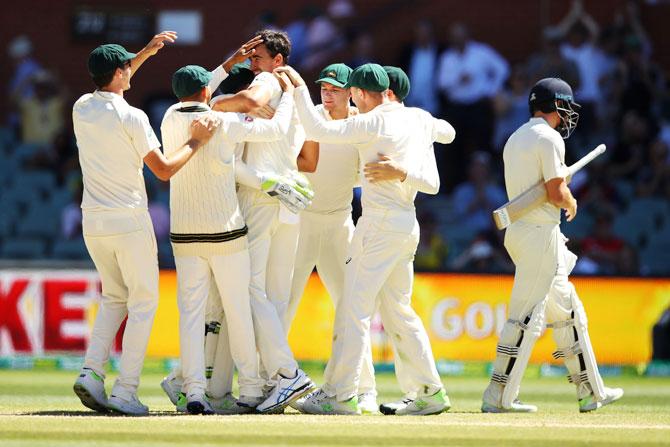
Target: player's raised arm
154	45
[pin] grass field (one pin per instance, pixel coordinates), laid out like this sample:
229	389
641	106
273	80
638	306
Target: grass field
38	408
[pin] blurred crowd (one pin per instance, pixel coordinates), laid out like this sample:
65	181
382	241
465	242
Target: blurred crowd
624	215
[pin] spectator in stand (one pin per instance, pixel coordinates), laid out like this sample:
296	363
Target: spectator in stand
550	63
475	198
643	83
595	191
42	113
581	33
627	156
420	62
484	255
603	247
470	74
364	48
297	33
323	39
25	66
655	172
431	253
511	107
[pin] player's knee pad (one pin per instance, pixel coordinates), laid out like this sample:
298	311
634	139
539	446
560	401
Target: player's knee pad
574	347
212	330
517	337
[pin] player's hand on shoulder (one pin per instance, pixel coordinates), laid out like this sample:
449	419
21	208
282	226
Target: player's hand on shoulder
284	82
159	40
293	75
265	112
203	128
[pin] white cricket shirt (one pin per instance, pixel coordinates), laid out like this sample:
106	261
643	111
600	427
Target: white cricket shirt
279	156
203	201
535	152
335	176
113	138
402	133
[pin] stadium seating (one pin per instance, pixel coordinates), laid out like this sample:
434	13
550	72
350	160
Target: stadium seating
27	248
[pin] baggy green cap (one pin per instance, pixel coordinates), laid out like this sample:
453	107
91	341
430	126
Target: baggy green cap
369	77
189	80
107	58
398	81
335	74
240	75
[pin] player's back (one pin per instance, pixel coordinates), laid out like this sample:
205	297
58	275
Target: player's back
523	164
112	138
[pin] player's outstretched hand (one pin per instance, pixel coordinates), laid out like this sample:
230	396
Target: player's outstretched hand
243	53
203	128
158	42
285	82
293	75
384	169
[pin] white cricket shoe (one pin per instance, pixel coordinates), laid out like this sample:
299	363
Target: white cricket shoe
426	405
197	403
367	403
286	391
90	387
590	403
391	407
320	403
172	387
224	405
517	407
131	406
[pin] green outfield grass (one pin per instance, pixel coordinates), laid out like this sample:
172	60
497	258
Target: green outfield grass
38	408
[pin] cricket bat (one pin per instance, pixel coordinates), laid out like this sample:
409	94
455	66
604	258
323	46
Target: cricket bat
537	194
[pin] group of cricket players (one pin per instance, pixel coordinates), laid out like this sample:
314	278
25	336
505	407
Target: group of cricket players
261	185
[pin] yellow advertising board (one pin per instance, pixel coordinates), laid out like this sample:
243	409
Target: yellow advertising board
463	315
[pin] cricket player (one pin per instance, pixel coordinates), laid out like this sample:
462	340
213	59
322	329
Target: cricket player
542	290
273	228
326	226
380	258
114	140
208	233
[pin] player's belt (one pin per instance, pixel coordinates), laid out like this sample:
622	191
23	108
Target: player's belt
191	109
188	238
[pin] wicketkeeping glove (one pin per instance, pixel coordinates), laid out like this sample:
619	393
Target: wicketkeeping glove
296	198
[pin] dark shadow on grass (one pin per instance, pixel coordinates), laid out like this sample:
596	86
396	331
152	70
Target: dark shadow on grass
93	413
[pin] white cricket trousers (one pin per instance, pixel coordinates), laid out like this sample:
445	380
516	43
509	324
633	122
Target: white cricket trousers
323	243
272	248
380	264
231	274
541	292
122	246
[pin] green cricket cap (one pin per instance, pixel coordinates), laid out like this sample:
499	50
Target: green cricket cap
335	74
369	77
398	81
189	80
107	58
239	77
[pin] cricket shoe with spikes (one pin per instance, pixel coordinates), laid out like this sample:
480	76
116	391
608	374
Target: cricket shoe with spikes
90	388
391	407
197	403
320	403
130	406
286	391
590	403
367	403
224	405
517	407
172	388
426	405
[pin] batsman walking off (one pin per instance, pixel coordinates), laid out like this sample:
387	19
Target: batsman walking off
541	290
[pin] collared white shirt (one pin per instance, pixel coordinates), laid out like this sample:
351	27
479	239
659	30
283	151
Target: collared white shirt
486	69
534	153
400	132
113	138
